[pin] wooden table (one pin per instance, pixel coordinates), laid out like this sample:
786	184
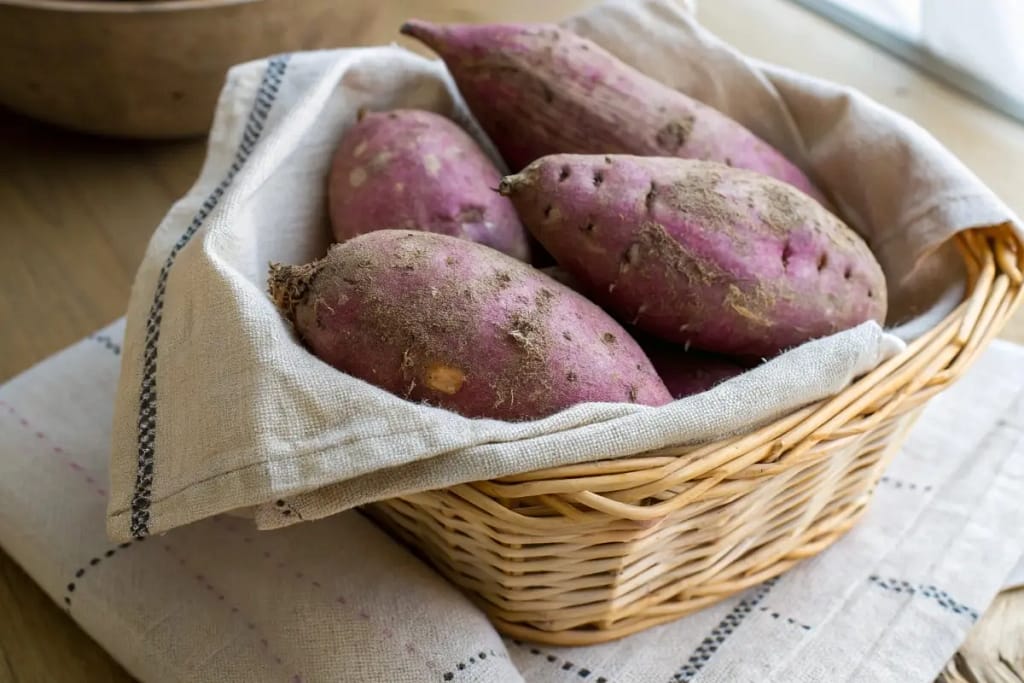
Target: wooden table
76	213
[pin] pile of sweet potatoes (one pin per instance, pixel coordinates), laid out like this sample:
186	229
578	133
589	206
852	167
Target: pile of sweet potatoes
687	248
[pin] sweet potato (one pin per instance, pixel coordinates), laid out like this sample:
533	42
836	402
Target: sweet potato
538	89
695	252
687	372
684	371
444	321
418	170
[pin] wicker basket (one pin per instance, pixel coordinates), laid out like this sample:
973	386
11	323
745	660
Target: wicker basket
588	553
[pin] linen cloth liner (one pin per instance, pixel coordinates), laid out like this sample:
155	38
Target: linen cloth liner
337	600
219	407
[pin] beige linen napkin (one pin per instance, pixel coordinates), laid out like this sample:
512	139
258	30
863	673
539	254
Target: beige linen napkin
337	601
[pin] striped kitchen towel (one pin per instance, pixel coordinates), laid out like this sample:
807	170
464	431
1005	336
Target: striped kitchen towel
337	600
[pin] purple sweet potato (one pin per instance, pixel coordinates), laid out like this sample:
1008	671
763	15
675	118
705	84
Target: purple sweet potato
698	253
684	371
444	321
687	372
418	170
538	89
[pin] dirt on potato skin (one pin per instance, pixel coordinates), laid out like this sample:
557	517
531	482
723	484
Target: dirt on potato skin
699	253
440	321
524	82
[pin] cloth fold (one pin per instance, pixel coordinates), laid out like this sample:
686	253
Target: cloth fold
337	600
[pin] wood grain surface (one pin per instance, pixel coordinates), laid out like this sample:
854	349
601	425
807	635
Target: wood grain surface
76	213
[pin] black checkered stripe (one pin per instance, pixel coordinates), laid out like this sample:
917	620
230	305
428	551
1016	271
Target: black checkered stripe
141	497
710	645
929	591
108	343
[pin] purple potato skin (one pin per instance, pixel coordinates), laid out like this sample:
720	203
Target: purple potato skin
684	371
538	89
440	320
698	253
689	372
418	170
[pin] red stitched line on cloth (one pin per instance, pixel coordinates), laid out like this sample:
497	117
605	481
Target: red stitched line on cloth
60	452
57	450
249	624
340	599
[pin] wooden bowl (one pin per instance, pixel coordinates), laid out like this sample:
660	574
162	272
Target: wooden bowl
148	68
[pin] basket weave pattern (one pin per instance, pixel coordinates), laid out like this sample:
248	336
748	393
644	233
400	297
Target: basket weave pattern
588	553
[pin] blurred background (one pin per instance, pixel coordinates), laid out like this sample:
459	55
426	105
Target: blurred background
153	68
974	45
